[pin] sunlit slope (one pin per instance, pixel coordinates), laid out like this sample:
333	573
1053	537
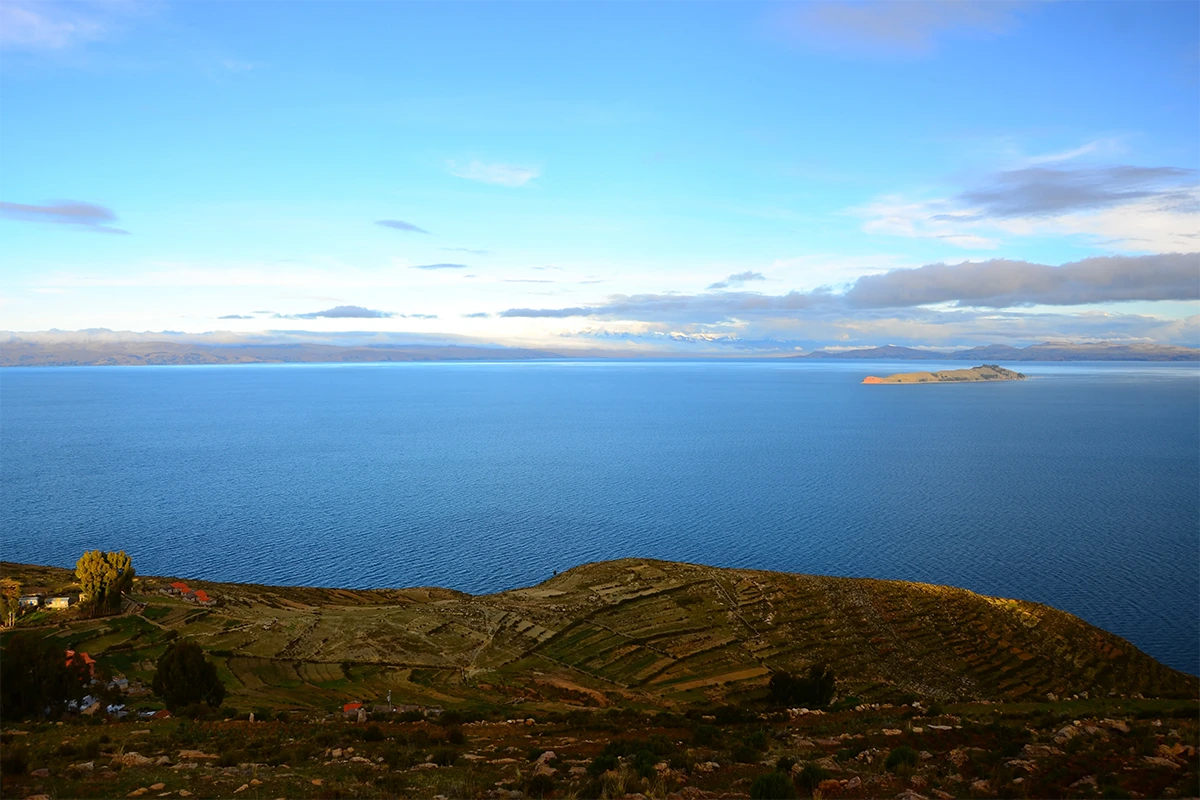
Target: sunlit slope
659	633
666	629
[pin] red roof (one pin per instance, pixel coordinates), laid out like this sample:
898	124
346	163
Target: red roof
181	586
351	707
88	660
161	714
202	596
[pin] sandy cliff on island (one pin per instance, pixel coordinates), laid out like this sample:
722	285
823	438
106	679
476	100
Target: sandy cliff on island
985	372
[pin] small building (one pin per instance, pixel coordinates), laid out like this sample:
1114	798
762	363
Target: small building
351	708
88	660
178	587
30	600
200	596
61	601
161	714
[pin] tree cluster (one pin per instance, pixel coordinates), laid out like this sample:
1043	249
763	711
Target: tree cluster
38	680
186	677
104	577
814	691
10	599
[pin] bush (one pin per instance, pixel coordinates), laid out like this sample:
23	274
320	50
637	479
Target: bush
539	785
444	757
37	677
372	734
744	754
601	764
814	691
785	764
186	677
13	761
811	776
902	756
456	736
772	786
706	736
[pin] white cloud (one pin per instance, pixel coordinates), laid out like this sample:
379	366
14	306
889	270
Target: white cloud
500	174
46	26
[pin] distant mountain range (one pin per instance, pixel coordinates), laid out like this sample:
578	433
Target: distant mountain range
20	353
1046	351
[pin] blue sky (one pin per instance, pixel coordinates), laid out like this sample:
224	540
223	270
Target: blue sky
744	176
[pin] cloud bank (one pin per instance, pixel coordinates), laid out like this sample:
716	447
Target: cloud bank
998	283
89	216
400	225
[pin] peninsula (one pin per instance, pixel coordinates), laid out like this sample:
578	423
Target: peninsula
675	680
984	372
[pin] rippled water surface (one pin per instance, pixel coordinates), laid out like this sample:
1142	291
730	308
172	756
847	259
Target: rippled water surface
1079	488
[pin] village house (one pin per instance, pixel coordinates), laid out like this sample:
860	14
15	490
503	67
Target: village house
88	660
178	587
30	600
62	601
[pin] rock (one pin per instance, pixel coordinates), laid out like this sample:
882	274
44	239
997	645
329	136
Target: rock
925	755
892	732
132	759
426	765
157	787
909	794
546	757
241	788
544	769
1116	725
474	757
577	771
940	795
255	782
708	766
163	761
918	781
503	761
958	756
1087	780
336	753
184	793
194	754
981	786
1017	763
37	796
360	760
186	765
318	782
138	792
917	729
1040	751
1051	697
41	773
1160	762
854	782
86	766
1065	734
940	727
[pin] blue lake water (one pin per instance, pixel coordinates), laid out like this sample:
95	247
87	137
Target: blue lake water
1079	488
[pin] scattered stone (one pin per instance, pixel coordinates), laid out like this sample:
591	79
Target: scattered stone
157	787
546	757
360	760
317	782
86	766
1066	734
917	729
241	788
1017	763
940	727
474	757
336	752
184	793
1160	762
132	759
925	755
918	781
940	795
1116	725
577	771
1087	780
909	794
37	796
544	769
426	765
1040	751
163	761
708	766
194	754
892	732
255	782
854	782
186	765
981	786
41	773
138	792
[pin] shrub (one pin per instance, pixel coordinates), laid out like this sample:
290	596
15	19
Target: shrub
535	753
772	786
444	757
744	754
785	764
902	756
456	736
811	775
186	677
539	785
13	761
372	734
706	736
601	764
814	691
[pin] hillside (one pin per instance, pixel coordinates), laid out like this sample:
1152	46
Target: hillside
985	372
649	633
1046	351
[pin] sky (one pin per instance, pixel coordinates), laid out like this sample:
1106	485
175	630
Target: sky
730	177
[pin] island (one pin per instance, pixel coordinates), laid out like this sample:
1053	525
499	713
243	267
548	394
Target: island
984	372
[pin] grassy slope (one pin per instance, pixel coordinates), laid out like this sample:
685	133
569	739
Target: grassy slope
631	633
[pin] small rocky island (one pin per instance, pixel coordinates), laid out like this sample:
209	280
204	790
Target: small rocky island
984	372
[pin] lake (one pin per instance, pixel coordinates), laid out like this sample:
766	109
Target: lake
1079	488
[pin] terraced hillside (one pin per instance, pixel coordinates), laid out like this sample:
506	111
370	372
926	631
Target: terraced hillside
633	632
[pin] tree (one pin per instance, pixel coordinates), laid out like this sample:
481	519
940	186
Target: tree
104	577
814	691
38	680
10	600
185	676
